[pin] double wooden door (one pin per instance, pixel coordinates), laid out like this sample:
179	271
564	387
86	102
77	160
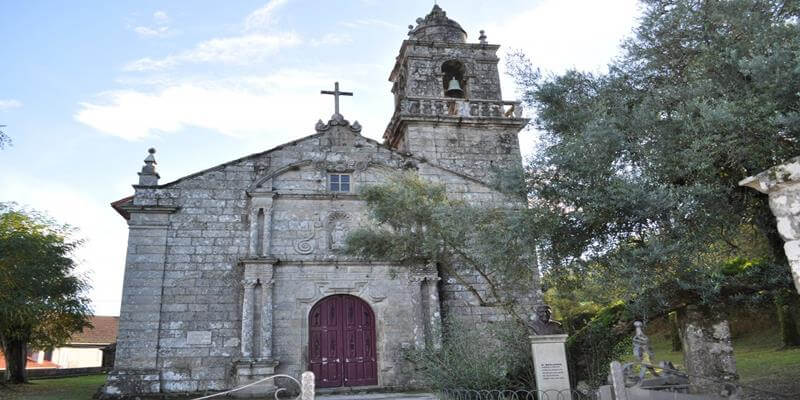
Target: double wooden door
341	342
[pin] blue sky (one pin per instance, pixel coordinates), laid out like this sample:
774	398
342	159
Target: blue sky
88	86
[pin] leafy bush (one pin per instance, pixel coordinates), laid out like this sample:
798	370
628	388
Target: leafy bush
604	339
497	358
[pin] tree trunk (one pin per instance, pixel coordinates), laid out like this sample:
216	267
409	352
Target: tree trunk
675	331
784	302
16	353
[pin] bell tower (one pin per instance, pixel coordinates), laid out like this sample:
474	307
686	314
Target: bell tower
448	104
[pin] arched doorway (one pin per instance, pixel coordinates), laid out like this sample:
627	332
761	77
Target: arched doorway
341	342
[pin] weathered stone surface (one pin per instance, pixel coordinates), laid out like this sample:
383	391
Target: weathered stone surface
224	265
707	351
782	184
550	364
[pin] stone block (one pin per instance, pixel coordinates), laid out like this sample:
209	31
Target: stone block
198	337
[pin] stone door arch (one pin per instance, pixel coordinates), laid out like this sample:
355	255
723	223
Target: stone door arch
341	342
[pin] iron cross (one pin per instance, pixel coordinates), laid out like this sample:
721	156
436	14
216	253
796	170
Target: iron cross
336	93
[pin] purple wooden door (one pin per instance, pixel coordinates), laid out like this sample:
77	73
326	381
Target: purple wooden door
341	343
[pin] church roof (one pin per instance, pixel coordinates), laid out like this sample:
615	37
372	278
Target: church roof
322	129
437	27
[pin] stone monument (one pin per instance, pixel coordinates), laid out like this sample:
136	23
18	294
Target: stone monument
782	184
549	355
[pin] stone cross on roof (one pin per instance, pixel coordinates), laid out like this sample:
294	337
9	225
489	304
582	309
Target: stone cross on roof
336	93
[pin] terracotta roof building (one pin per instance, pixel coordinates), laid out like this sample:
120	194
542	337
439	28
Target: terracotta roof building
82	350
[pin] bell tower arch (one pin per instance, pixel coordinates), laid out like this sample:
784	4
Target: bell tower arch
448	103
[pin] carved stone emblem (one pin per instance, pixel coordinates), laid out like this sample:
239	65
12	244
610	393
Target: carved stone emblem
341	166
306	244
338	227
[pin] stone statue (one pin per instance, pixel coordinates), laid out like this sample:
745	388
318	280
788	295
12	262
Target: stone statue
541	322
641	345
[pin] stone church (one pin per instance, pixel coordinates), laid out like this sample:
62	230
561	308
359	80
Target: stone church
235	273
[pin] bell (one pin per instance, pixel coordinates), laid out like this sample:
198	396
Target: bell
454	89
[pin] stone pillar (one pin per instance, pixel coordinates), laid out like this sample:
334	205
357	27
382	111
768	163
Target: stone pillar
136	364
307	386
257	363
550	365
260	201
249	285
434	323
782	184
707	351
266	318
418	303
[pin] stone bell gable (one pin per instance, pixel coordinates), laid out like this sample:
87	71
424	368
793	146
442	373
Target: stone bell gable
448	106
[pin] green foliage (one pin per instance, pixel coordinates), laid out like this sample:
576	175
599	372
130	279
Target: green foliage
574	308
414	222
42	301
4	139
604	339
639	167
471	359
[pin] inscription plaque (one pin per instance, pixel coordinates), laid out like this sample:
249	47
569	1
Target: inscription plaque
550	359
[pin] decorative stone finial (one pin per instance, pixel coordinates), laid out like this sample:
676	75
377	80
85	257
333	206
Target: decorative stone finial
482	37
149	176
437	27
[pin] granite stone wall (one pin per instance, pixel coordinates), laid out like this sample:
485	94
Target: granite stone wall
181	323
782	184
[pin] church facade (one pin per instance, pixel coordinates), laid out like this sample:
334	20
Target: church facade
236	273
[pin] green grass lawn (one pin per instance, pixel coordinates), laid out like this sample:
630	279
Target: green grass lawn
74	388
760	361
758	356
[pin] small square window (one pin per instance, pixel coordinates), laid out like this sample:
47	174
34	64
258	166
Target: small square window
339	182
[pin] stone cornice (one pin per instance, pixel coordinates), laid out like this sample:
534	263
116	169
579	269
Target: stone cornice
775	177
259	260
318	196
149	209
325	262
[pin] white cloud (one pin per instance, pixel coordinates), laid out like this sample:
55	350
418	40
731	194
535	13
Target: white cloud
561	34
161	17
372	22
332	39
241	107
263	17
241	50
145	31
7	104
160	28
